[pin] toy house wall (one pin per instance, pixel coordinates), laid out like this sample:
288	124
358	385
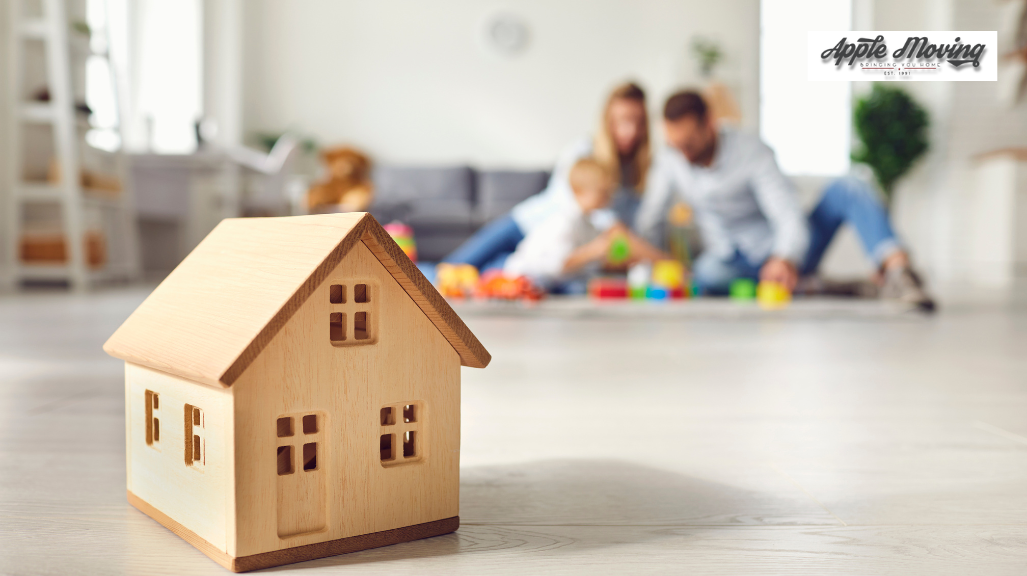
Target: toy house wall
198	495
301	372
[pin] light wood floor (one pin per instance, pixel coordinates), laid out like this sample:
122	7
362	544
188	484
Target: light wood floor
631	441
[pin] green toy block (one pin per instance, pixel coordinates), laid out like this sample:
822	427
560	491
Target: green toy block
743	289
619	250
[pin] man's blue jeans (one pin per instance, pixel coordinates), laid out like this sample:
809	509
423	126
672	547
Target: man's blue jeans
846	200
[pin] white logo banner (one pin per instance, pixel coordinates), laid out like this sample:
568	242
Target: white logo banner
902	56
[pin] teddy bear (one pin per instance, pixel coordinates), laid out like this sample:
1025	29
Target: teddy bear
347	186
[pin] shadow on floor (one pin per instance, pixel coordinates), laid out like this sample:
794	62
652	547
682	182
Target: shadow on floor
534	505
610	492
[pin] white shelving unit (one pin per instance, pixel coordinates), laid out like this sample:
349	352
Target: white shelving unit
113	213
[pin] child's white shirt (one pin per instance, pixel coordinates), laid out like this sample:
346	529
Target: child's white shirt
542	254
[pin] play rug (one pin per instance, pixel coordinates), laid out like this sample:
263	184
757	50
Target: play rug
699	308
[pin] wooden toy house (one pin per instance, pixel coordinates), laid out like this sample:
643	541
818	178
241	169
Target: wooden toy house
292	391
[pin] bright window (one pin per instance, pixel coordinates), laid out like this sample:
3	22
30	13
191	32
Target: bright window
807	124
107	44
169	82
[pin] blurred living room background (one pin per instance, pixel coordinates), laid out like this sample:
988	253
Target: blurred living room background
177	114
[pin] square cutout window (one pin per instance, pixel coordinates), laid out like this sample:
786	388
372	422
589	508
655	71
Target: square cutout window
360	326
156	430
388	418
337	294
310	456
408	413
284	427
310	424
197	449
361	294
284	460
196	417
385	446
337	327
409	444
156	401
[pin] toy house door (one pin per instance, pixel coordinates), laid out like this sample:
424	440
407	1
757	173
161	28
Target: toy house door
302	501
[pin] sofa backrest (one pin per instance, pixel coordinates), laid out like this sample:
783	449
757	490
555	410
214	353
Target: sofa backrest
412	194
445	205
500	190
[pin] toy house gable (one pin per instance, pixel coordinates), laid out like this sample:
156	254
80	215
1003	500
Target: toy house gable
379	416
216	311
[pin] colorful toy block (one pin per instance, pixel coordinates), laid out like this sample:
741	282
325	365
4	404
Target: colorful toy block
619	250
456	280
772	296
404	237
608	288
742	289
668	274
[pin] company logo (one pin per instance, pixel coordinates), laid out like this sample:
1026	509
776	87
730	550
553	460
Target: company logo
911	56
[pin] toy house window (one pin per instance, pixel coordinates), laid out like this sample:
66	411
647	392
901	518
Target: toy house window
195	437
337	330
299	435
360	325
401	429
360	294
385	448
284	427
353	321
284	460
310	424
310	456
337	294
152	418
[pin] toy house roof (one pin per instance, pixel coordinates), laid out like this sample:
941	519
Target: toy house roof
215	313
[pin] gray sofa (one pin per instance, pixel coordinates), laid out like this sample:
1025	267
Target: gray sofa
445	205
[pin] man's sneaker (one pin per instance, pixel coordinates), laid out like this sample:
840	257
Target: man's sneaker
903	285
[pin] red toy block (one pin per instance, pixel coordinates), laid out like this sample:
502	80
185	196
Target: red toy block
608	288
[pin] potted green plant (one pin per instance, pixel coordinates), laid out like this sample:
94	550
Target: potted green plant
892	130
708	53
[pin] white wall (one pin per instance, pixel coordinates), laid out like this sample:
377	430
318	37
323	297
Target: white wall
412	81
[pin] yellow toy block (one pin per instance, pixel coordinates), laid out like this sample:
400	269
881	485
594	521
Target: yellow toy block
669	274
772	295
456	280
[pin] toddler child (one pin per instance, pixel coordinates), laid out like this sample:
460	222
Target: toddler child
568	247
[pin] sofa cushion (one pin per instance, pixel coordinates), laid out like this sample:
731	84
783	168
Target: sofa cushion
500	190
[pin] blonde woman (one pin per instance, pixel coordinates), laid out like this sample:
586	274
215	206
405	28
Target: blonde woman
621	145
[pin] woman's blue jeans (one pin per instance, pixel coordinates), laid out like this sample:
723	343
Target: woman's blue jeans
490	246
846	200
